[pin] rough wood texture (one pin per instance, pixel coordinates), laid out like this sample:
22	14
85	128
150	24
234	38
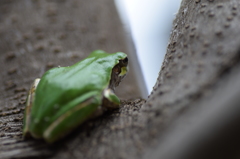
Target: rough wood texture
198	76
36	35
193	103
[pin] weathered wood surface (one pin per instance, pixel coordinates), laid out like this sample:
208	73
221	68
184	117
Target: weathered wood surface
199	81
37	35
194	101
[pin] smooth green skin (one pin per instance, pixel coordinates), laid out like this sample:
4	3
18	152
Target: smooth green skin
67	96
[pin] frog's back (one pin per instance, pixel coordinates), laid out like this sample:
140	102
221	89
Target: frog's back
59	86
92	73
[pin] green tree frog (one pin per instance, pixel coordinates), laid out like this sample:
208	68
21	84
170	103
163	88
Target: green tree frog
65	97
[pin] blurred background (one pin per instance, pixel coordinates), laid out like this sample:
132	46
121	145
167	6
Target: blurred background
148	23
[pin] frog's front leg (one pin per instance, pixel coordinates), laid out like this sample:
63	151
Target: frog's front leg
110	100
30	99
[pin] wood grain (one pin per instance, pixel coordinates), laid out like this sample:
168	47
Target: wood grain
192	105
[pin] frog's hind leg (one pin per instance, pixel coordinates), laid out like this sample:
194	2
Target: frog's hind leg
29	101
110	100
76	112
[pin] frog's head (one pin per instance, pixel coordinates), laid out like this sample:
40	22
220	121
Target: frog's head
119	71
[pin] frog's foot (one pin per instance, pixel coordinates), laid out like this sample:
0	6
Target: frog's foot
110	100
29	101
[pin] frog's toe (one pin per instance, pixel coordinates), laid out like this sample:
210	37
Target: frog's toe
110	100
29	101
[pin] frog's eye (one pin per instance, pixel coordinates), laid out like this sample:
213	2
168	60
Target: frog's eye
125	61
